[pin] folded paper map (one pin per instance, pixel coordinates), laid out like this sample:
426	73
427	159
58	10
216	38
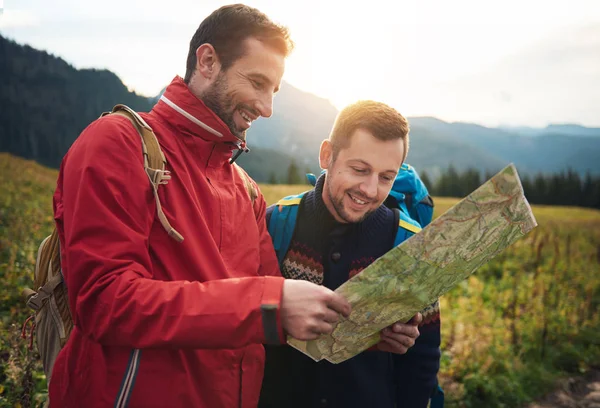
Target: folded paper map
416	273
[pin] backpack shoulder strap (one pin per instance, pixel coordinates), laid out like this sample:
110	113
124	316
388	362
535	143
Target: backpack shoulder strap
407	227
153	155
154	161
47	273
402	205
283	222
312	179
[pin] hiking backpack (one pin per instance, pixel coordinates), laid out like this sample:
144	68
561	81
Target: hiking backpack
52	318
409	198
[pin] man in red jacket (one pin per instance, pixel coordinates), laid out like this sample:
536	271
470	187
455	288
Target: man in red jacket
161	323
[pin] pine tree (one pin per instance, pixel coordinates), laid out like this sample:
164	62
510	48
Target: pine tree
307	171
448	184
587	191
470	182
572	188
540	188
529	190
272	178
293	174
425	179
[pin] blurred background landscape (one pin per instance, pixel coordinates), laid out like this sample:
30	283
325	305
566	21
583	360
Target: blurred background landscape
519	84
46	103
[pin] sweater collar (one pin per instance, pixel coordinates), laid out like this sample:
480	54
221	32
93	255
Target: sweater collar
190	116
316	206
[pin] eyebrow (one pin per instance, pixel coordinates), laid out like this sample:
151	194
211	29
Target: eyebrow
264	78
368	165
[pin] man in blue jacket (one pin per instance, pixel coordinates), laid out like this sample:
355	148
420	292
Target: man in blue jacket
341	227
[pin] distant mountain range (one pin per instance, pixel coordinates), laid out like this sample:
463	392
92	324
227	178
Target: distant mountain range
574	130
45	103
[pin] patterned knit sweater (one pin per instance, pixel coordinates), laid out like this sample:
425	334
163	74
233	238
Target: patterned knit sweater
326	252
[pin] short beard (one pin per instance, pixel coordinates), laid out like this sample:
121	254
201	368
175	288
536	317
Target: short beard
217	100
338	205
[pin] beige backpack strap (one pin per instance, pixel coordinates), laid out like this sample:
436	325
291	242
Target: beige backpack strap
47	274
48	257
153	155
154	162
247	183
37	300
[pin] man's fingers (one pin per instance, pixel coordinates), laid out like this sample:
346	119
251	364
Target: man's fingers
391	346
323	328
416	319
314	330
309	310
312	335
406	329
331	316
400	339
339	304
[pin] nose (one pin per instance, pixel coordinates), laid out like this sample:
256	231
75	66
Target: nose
369	186
265	106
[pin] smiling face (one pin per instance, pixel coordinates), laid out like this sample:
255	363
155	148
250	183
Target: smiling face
245	90
360	177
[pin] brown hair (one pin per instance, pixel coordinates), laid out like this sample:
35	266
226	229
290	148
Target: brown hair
227	28
381	120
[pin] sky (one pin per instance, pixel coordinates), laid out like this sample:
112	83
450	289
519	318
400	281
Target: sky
510	62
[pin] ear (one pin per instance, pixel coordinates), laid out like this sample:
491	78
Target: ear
325	154
207	61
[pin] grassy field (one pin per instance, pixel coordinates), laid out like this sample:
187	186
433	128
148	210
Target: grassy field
525	319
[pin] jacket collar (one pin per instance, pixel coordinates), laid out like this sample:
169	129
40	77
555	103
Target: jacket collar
190	116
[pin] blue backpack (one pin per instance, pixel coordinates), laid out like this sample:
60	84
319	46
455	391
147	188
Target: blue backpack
409	197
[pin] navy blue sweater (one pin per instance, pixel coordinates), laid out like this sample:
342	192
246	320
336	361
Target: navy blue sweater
327	252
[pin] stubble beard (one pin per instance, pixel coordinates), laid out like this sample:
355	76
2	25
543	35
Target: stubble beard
338	205
217	99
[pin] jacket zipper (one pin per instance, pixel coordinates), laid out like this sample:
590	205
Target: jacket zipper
128	379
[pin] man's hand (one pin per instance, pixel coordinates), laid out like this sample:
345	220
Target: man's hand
399	337
309	310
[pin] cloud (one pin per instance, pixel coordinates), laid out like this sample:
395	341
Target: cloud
556	80
18	19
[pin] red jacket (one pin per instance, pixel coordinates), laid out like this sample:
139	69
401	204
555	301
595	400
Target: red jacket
160	323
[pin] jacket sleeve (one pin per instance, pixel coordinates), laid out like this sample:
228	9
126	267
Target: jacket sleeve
269	265
416	371
104	209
